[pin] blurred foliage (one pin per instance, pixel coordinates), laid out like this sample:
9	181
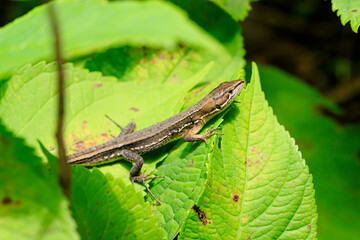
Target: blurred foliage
31	206
304	39
100	33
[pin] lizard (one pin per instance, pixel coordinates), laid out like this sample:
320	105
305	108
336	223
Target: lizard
130	144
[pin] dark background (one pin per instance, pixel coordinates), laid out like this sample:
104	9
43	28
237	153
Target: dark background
307	39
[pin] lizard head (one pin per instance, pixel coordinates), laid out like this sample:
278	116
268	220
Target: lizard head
221	97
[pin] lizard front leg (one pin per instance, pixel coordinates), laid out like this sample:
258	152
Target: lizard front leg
191	135
135	175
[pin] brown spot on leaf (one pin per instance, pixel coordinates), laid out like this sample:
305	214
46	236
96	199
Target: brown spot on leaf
84	126
172	57
235	198
191	163
97	85
201	215
354	10
153	61
75	137
79	146
103	137
252	234
162	56
199	91
93	144
135	109
6	201
51	148
308	226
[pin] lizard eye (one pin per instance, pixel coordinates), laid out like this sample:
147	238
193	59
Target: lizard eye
218	106
230	91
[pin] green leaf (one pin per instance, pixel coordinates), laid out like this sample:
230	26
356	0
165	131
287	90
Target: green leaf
105	208
155	65
258	186
348	11
331	150
221	26
161	65
237	9
111	24
184	171
31	203
89	97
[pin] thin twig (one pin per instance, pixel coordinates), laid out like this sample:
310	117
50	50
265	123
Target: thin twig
64	176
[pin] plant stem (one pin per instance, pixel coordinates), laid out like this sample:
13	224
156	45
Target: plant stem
64	176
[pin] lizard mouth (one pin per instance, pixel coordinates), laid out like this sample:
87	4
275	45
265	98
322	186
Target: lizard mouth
237	89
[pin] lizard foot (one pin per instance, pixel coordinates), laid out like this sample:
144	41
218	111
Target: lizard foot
142	178
210	132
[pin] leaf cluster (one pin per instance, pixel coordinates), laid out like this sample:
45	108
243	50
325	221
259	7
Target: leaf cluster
145	61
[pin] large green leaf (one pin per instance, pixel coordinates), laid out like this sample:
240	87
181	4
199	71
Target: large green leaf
31	203
29	104
348	11
30	100
331	151
184	172
258	186
90	26
105	208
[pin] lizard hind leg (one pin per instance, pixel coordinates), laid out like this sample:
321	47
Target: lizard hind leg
135	175
126	130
